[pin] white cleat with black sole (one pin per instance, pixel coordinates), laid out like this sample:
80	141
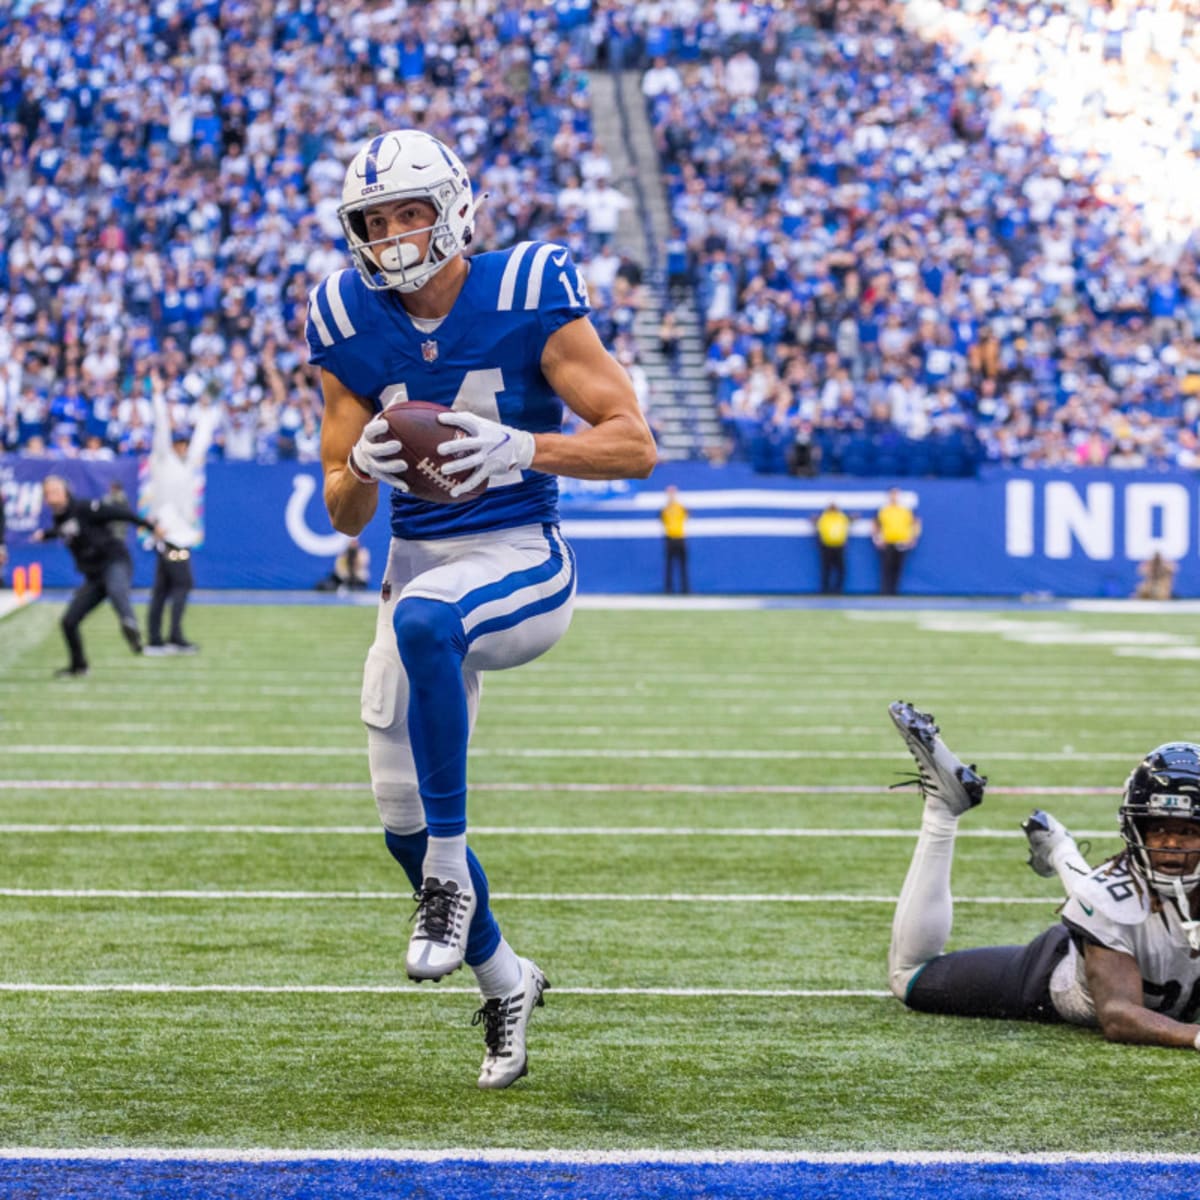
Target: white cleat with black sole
940	773
504	1020
439	941
1045	835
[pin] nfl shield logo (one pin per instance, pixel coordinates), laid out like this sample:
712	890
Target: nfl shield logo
429	350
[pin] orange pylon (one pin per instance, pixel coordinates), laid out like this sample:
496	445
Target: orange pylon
19	584
35	580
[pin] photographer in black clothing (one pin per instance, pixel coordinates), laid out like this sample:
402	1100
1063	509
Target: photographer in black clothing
102	557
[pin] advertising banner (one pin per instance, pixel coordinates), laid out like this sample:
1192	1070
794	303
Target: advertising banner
1004	533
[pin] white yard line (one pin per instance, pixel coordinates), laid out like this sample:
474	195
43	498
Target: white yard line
649	1156
17	893
496	727
683	789
410	989
634	831
572	752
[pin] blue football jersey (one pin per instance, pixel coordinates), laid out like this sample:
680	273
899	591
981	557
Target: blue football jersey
484	357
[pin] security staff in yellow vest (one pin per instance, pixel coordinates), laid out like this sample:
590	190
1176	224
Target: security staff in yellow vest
833	531
896	531
674	519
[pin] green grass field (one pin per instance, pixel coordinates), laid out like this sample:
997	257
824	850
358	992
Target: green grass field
685	819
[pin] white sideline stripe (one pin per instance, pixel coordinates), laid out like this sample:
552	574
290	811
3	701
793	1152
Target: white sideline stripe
412	989
648	1156
521	831
681	789
651	527
9	603
537	897
571	752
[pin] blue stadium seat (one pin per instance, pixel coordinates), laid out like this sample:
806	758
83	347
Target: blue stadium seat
856	457
950	457
887	455
759	452
918	456
831	452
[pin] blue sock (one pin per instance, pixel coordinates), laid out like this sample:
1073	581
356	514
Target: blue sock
432	647
484	935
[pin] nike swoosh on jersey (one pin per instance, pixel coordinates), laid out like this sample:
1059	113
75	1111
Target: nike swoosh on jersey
1091	912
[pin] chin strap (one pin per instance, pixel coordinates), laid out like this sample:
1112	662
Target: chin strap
1191	928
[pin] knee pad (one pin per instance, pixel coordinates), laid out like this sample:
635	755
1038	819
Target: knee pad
394	781
400	807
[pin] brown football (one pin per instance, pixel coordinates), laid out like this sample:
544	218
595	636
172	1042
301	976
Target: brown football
415	424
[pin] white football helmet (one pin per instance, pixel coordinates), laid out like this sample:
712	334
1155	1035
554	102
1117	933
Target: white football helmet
406	164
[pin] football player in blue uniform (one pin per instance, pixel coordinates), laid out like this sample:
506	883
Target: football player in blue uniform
1126	954
502	340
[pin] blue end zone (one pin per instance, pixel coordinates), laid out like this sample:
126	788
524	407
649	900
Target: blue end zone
375	1179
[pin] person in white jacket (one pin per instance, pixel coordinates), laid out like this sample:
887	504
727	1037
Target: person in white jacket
175	489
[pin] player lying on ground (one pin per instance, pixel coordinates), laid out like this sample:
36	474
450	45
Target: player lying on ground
1126	954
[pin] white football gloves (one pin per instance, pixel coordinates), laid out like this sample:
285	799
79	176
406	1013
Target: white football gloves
489	449
378	461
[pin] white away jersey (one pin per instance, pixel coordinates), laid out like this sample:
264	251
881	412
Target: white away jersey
1111	910
484	357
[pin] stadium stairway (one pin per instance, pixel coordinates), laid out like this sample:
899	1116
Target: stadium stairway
681	400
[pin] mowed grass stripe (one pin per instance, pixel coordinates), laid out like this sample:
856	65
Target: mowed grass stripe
830	739
583	944
607	1073
513	806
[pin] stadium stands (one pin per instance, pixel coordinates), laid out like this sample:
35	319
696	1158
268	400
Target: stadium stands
919	236
933	234
171	174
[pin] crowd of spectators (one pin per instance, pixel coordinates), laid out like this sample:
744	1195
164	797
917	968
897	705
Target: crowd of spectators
170	174
919	234
911	252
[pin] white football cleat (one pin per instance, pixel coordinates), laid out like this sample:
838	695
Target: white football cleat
439	941
1045	835
504	1020
940	773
